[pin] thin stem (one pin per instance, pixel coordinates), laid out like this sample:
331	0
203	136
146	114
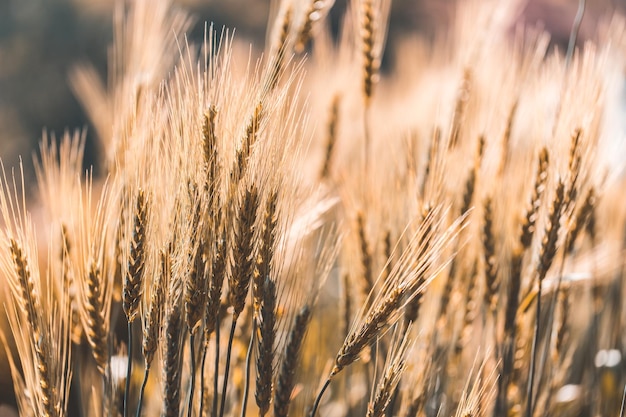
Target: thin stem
202	366
193	373
227	369
574	33
533	357
316	404
141	391
129	368
217	367
621	410
107	388
246	386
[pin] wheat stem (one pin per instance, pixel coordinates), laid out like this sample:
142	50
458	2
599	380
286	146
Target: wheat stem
246	386
216	373
192	383
146	373
318	399
202	387
533	357
129	368
227	369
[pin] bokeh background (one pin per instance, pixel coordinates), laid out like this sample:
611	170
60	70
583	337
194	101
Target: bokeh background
40	41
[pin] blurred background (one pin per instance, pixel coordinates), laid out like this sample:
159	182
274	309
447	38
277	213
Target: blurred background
40	40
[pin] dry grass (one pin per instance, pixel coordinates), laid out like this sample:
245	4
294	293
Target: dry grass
443	237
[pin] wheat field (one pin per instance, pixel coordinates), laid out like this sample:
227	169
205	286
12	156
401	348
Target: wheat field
305	231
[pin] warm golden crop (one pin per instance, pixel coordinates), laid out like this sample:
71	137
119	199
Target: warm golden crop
302	236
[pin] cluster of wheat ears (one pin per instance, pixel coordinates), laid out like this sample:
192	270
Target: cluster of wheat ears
299	234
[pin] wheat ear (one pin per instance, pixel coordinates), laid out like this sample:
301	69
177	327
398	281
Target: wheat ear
528	226
573	167
492	282
469	313
409	278
241	269
546	256
262	272
172	359
506	138
217	261
211	312
242	158
265	346
29	301
28	295
243	261
389	382
266	313
133	280
458	117
366	256
96	327
286	375
371	62
69	281
582	219
331	138
277	62
315	13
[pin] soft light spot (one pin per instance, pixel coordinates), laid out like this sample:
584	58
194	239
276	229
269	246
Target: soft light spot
568	393
608	358
118	367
